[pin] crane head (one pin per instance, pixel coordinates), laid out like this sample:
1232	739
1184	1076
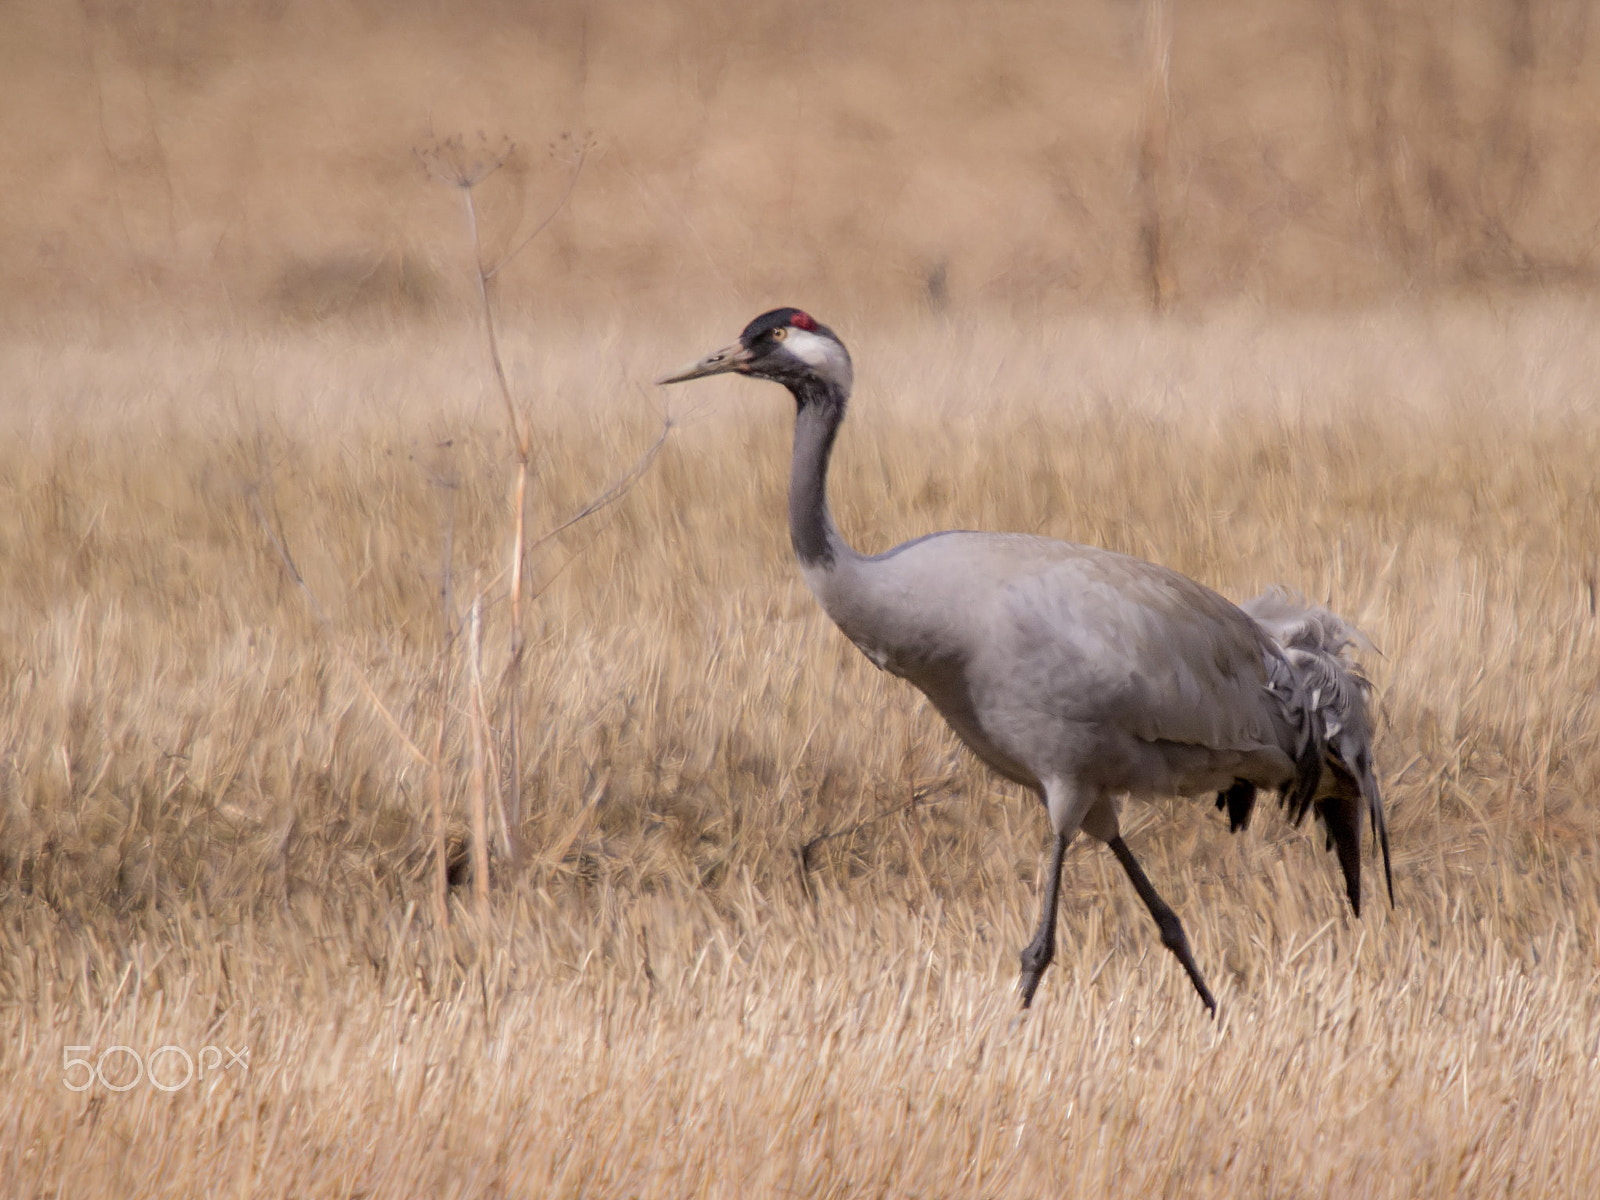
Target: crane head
786	345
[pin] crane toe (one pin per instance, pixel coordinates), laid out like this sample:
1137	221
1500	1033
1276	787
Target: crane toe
1036	957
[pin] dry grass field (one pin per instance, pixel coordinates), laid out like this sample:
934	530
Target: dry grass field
212	836
754	928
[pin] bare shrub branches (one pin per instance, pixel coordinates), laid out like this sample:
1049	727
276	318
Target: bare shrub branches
453	162
1441	118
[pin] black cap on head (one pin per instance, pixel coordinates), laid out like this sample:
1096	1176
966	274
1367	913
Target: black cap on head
779	317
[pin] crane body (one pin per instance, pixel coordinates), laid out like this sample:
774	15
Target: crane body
1079	673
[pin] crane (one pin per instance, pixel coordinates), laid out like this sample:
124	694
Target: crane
1082	674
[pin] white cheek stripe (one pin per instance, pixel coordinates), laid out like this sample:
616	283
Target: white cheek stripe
821	354
808	347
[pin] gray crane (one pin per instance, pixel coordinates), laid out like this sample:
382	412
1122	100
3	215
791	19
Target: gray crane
1079	673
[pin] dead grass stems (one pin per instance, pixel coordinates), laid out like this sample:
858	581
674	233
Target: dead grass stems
210	835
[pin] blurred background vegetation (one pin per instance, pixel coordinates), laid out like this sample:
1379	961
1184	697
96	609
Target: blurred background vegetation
254	158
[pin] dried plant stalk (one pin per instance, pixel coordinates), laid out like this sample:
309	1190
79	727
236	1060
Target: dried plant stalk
1153	153
479	731
450	161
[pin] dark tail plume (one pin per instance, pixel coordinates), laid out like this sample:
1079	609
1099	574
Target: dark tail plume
1325	697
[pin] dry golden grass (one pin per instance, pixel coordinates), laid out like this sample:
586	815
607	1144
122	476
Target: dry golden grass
210	836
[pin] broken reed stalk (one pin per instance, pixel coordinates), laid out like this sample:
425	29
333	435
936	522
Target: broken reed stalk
445	477
479	731
441	867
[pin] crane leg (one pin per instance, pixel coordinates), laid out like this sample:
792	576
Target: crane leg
1172	935
1036	955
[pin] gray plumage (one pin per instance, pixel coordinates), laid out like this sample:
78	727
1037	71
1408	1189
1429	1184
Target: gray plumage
1079	673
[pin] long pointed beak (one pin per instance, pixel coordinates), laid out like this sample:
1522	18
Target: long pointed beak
729	358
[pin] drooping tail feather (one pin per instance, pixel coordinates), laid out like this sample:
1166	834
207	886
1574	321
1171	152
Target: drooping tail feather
1325	696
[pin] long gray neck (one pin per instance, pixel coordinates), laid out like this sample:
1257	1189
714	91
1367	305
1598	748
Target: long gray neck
811	529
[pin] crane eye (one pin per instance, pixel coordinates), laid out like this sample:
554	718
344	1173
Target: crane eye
780	333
